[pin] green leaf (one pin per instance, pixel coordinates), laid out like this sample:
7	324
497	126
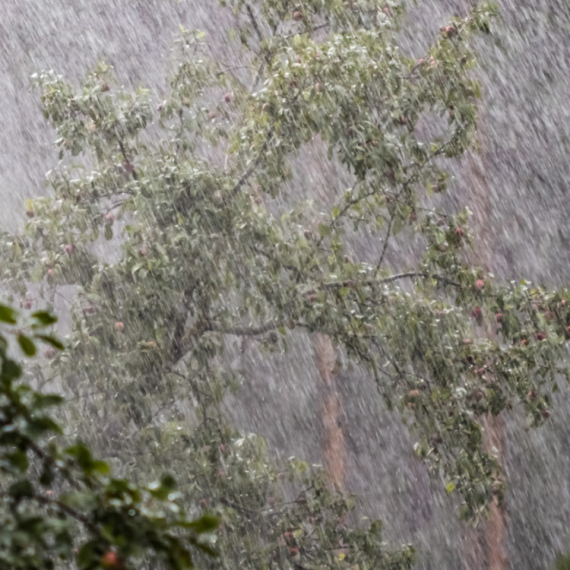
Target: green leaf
89	554
10	370
8	315
43	424
324	230
100	467
51	340
19	460
44	318
21	489
27	345
206	523
47	400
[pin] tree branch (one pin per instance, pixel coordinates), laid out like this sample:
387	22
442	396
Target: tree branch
247	174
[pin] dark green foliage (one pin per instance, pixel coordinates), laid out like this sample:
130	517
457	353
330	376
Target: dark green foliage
59	505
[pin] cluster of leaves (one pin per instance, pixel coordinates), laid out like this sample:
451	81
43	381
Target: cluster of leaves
205	256
61	504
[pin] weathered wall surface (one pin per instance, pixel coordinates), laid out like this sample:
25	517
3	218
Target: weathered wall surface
516	188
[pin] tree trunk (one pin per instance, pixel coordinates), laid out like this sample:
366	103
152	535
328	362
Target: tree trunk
334	445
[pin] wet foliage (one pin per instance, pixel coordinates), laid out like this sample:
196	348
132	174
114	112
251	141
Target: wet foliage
61	504
187	190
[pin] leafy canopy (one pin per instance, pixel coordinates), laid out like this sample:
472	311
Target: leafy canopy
214	240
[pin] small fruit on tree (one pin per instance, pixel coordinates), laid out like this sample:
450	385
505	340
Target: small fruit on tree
112	561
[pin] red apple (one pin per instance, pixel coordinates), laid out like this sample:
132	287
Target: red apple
541	336
499	317
109	219
480	284
128	166
30	213
476	313
524	342
459	232
70	249
119	326
112	561
297	15
228	97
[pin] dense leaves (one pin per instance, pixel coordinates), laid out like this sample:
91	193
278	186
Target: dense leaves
61	504
213	242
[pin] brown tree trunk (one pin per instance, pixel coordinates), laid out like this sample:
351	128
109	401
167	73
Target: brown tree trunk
496	527
334	445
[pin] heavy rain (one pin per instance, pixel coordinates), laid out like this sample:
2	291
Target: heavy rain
284	285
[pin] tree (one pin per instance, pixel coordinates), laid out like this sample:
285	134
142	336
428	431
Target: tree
101	519
207	255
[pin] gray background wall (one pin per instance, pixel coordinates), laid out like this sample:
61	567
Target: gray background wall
517	188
